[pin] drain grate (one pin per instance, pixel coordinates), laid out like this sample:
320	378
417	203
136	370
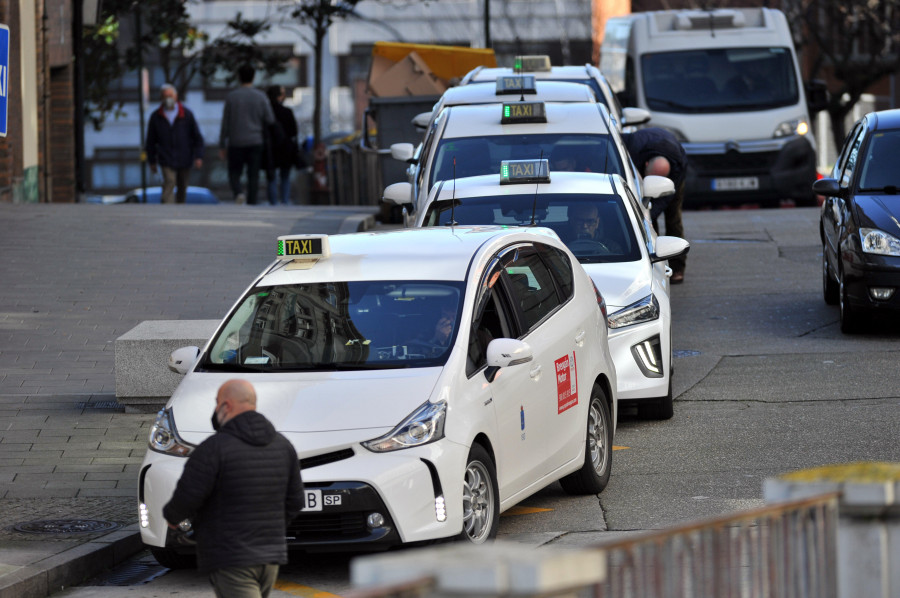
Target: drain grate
65	526
685	353
108	405
130	574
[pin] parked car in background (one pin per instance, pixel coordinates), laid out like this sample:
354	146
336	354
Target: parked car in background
195	195
860	222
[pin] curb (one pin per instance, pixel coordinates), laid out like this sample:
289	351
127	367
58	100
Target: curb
71	566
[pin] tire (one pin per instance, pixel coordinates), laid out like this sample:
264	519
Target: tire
481	498
172	559
594	473
658	409
830	288
850	317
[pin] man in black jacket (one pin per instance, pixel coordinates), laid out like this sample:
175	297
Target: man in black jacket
239	488
656	151
174	143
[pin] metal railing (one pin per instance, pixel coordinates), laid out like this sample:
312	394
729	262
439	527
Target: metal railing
354	174
787	550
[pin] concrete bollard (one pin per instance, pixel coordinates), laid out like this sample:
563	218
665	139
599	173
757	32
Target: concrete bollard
868	536
496	569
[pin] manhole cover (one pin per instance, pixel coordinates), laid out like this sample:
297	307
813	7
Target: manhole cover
65	526
685	353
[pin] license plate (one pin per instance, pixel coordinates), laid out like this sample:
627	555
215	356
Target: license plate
736	183
315	501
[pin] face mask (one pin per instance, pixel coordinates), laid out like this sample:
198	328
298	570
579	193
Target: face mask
169	103
215	420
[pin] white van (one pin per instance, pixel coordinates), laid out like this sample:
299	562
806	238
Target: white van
727	83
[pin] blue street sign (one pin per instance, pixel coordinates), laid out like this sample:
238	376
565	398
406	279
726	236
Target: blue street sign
4	77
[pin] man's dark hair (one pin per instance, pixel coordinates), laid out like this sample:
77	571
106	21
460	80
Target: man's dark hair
246	73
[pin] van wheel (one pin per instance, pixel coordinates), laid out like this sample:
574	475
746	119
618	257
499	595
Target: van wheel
481	497
594	473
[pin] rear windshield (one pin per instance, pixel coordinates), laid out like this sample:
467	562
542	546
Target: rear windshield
482	155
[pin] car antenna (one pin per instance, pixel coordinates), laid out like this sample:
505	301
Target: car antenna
536	186
453	221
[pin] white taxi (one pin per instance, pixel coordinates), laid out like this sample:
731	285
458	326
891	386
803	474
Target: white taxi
428	378
604	226
539	67
472	140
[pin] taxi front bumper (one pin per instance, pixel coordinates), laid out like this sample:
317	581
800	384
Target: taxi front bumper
639	352
417	493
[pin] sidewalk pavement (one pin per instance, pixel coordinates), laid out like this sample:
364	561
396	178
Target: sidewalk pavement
74	278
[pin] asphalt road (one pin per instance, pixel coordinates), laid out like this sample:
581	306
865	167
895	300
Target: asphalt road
765	383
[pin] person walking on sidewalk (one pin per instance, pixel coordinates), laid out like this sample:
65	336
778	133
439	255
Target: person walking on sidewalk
282	148
656	151
245	119
240	488
174	144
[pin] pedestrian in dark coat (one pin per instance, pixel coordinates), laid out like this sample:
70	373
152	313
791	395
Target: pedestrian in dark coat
656	151
174	144
240	488
282	148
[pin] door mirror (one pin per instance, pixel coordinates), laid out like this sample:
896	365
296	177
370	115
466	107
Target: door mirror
402	151
398	194
827	187
183	359
635	116
658	186
420	121
816	96
668	248
506	352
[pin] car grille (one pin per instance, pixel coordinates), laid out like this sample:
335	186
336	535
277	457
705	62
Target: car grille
325	458
313	526
733	163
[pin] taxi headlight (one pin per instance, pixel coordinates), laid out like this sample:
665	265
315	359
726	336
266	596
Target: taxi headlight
645	310
424	425
164	436
797	126
879	242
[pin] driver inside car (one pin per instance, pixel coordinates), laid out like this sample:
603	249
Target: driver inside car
585	226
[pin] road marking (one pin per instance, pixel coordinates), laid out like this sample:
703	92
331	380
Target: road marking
621	448
523	511
296	589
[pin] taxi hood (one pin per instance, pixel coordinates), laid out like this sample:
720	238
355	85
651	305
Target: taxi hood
312	402
621	284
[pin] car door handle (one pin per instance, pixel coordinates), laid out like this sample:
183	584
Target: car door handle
579	338
535	372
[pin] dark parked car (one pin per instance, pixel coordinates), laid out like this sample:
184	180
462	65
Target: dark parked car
195	195
860	222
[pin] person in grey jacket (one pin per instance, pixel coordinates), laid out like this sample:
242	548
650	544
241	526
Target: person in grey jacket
245	120
240	488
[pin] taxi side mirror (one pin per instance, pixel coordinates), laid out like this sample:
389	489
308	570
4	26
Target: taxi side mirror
658	186
634	116
402	151
183	359
668	248
506	352
421	120
398	194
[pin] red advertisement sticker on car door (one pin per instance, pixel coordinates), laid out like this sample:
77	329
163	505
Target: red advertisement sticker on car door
566	386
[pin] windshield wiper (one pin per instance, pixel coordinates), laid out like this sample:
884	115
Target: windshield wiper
232	367
889	189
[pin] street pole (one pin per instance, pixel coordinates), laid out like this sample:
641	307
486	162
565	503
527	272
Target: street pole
78	50
143	153
487	23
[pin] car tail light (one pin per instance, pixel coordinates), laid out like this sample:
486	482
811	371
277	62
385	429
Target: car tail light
601	302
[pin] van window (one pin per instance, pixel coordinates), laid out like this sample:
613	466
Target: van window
719	80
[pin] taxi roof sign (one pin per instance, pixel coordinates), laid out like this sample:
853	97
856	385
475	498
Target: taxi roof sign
523	112
535	63
303	248
524	171
509	84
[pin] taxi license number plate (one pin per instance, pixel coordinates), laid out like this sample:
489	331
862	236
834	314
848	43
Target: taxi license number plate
315	501
736	183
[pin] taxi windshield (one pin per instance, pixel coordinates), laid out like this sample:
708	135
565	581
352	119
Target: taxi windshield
482	155
596	228
339	326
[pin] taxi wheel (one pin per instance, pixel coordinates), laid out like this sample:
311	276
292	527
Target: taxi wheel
594	473
173	560
830	289
481	498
